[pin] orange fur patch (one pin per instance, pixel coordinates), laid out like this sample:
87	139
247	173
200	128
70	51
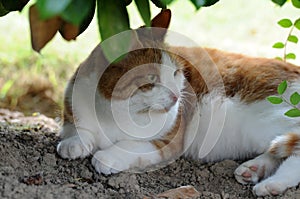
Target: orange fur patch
251	78
172	143
287	145
273	149
146	58
293	140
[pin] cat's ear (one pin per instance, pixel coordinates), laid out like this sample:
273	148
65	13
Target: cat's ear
162	20
160	24
157	32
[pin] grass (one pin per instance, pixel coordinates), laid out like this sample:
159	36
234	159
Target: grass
239	26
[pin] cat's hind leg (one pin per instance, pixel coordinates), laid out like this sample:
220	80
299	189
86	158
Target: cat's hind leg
254	170
285	177
284	149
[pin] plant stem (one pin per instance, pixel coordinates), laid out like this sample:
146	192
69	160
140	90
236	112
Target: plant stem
286	41
286	101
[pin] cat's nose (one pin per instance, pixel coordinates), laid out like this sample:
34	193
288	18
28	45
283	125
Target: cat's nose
173	97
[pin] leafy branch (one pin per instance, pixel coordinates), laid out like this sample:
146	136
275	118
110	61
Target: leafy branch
293	101
72	17
287	23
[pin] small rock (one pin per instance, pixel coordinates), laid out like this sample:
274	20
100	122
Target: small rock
183	192
33	180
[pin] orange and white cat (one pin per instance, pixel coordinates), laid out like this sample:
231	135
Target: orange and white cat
160	102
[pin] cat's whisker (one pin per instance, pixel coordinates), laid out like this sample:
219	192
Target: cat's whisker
187	93
184	102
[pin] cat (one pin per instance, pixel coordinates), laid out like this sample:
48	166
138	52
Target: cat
160	102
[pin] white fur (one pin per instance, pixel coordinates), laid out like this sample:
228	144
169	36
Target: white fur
125	155
246	130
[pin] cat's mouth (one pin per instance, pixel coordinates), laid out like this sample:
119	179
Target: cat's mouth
159	108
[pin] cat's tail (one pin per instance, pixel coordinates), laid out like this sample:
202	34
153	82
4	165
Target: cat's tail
285	145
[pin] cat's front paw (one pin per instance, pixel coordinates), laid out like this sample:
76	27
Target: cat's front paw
269	187
74	147
108	163
252	171
249	173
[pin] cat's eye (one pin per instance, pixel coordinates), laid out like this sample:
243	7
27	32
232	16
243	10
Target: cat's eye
176	72
146	87
152	78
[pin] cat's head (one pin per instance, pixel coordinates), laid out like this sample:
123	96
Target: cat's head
148	76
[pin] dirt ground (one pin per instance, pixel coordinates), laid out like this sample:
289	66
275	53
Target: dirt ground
30	168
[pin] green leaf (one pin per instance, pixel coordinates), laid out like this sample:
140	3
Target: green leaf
13	5
88	18
50	8
144	10
296	3
278	45
274	100
203	3
293	113
293	38
3	11
290	56
279	2
279	58
297	24
295	98
159	4
77	11
282	87
285	23
113	19
166	2
127	2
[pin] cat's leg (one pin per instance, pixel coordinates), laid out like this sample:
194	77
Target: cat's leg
266	164
139	154
125	155
80	144
130	154
284	149
254	170
285	177
78	132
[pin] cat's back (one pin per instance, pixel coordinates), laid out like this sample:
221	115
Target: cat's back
251	78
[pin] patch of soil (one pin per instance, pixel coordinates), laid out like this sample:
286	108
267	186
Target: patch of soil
31	168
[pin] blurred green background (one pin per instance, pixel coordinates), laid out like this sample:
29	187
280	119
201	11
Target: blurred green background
32	82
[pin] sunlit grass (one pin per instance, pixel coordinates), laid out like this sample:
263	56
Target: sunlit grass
243	26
